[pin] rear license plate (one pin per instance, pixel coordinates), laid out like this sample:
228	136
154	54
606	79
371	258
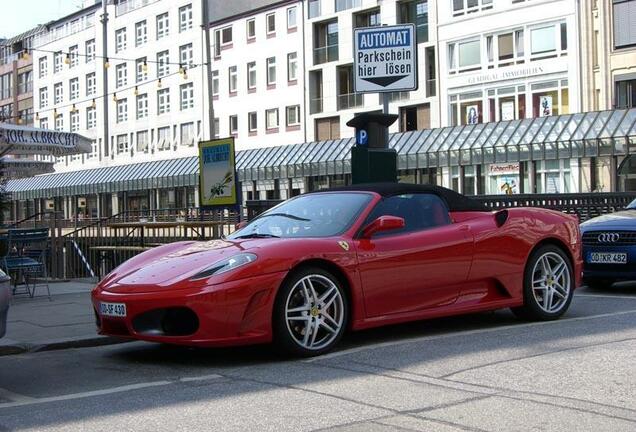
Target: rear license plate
113	309
607	258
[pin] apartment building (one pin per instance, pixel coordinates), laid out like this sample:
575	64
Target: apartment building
504	60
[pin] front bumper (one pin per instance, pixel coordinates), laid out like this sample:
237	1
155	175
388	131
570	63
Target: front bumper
232	313
625	271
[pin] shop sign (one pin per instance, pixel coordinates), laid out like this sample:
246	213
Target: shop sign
217	173
509	73
504	169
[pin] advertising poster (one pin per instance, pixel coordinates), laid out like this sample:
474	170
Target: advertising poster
472	114
507	111
545	106
217	178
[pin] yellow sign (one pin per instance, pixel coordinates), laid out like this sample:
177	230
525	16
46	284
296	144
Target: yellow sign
217	182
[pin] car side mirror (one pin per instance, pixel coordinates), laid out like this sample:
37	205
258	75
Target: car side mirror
381	224
240	225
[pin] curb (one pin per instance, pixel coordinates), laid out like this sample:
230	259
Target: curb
60	344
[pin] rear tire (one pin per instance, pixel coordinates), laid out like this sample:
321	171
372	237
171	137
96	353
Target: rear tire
310	314
548	285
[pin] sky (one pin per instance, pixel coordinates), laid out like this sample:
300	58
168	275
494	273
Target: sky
22	15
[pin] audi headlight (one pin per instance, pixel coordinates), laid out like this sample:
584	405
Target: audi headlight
225	265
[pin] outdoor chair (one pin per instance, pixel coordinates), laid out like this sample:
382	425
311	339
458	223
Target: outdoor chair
24	257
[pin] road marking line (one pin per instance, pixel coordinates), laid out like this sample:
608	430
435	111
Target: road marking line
463	333
606	296
19	400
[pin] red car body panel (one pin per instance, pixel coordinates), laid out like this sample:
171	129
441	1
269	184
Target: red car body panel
470	265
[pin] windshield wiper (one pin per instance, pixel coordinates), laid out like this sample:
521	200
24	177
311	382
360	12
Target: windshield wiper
256	235
287	216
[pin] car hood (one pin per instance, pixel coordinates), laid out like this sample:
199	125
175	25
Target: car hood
159	269
625	219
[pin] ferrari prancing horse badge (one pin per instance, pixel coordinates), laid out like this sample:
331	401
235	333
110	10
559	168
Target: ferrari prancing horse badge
344	245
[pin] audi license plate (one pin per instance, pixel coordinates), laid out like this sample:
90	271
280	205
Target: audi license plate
113	309
607	258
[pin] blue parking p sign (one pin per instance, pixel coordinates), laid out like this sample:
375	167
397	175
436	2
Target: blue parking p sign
362	137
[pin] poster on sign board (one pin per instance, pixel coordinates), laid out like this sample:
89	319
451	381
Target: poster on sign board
217	175
545	106
507	111
507	184
472	114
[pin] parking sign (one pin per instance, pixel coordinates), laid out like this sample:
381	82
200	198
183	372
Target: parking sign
385	59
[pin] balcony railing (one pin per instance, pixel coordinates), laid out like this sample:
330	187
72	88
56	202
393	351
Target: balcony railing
315	105
326	54
397	96
126	6
350	100
431	87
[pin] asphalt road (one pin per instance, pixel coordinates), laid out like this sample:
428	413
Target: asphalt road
487	372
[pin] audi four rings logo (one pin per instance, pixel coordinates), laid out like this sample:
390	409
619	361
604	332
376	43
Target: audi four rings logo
608	237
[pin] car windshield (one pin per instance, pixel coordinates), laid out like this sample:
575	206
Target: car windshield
632	205
312	215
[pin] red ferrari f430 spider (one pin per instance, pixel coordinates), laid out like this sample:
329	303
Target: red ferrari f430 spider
320	264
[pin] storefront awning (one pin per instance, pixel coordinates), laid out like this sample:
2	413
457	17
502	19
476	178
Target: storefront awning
604	133
16	168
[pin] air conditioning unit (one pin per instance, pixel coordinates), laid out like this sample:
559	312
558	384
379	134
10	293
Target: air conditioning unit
81	202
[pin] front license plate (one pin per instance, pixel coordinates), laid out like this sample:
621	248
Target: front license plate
607	258
113	309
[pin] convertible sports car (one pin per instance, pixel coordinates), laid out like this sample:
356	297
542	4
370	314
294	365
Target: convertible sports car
314	266
609	248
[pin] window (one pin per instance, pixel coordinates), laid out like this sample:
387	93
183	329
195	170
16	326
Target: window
185	18
217	125
141	33
505	49
75	119
120	39
90	50
25	82
625	94
271	71
44	123
163	143
252	121
222	38
91	84
415	12
292	115
368	18
461	7
315	92
122	143
121	75
291	18
270	19
292	66
624	19
251	28
233	124
142	106
185	55
271	118
43	66
6	112
58	93
122	110
464	56
163	58
6	90
420	211
187	134
325	42
59	122
187	96
233	78
91	118
313	9
58	61
142	141
550	98
548	41
163	101
73	56
73	88
468	110
141	70
347	97
347	4
162	25
44	97
215	83
251	75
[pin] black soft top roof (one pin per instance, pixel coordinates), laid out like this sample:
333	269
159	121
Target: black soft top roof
456	202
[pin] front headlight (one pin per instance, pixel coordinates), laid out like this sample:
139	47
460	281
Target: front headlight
225	265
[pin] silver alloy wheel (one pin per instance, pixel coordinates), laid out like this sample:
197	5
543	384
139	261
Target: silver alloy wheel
551	282
314	312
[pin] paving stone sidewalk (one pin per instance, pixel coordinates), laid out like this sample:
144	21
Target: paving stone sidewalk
40	324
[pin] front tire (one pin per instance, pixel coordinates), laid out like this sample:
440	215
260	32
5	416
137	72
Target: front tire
548	285
311	313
